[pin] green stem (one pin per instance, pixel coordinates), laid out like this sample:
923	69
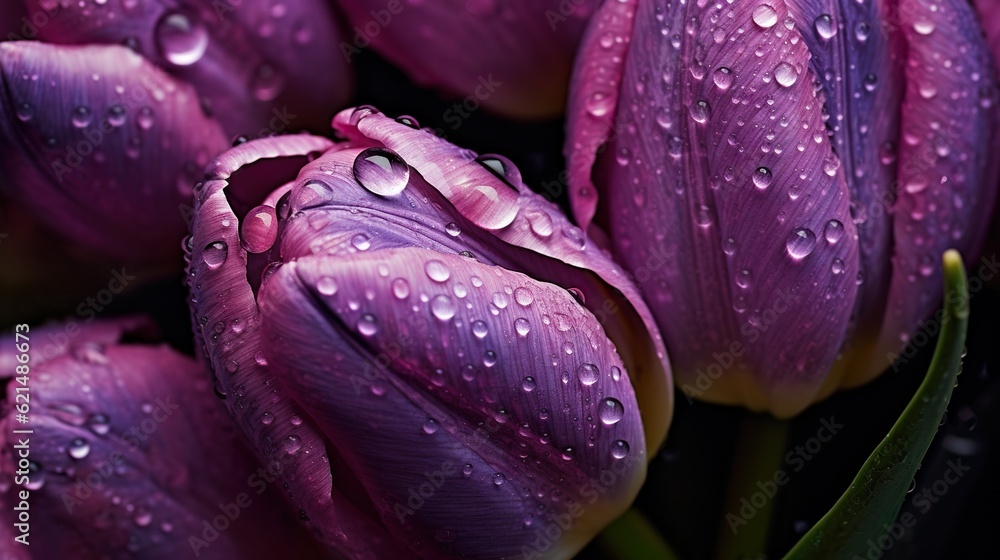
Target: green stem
870	505
759	455
633	537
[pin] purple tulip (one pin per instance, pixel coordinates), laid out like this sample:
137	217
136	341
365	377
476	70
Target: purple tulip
110	118
511	56
130	456
800	166
390	322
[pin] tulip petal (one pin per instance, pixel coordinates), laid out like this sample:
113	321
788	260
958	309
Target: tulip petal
131	452
102	146
505	385
989	20
948	170
727	175
593	100
854	57
227	328
261	67
537	239
513	57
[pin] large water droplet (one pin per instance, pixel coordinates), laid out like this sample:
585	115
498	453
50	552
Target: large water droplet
700	111
825	27
79	448
522	326
381	171
326	285
588	373
367	325
99	424
292	444
82	117
800	243
437	271
833	231
215	254
620	449
24	112
479	329
528	384
762	177
259	229
785	74
400	288
182	39
442	307
599	104
765	16
723	78
611	411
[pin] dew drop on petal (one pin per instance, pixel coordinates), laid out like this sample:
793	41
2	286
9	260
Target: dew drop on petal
437	271
800	243
765	16
442	307
833	231
327	286
620	449
259	229
79	448
611	411
367	325
215	254
381	171
181	39
762	178
588	373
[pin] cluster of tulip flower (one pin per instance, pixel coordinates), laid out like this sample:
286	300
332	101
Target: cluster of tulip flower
402	350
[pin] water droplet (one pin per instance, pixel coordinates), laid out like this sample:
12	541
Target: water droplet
326	285
400	288
479	329
489	358
79	448
408	121
437	271
616	373
611	411
703	216
620	449
540	223
82	117
215	254
431	426
117	115
871	82
267	83
145	118
267	418
800	243
599	104
825	27
292	444
142	518
723	78
833	231
924	27
588	373
381	171
467	470
181	39
259	229
762	178
367	325
862	31
528	384
99	424
452	229
498	479
442	307
744	279
765	16
24	112
522	326
837	267
785	74
700	111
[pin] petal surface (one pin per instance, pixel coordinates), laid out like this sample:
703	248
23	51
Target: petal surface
505	395
722	170
102	146
260	67
948	170
131	455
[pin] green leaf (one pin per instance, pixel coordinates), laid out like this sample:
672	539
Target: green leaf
873	500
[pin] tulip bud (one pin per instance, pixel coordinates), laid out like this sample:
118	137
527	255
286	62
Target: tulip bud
803	167
412	335
117	447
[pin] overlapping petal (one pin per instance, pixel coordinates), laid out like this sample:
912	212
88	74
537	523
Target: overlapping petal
260	67
769	152
102	146
396	224
131	453
513	57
